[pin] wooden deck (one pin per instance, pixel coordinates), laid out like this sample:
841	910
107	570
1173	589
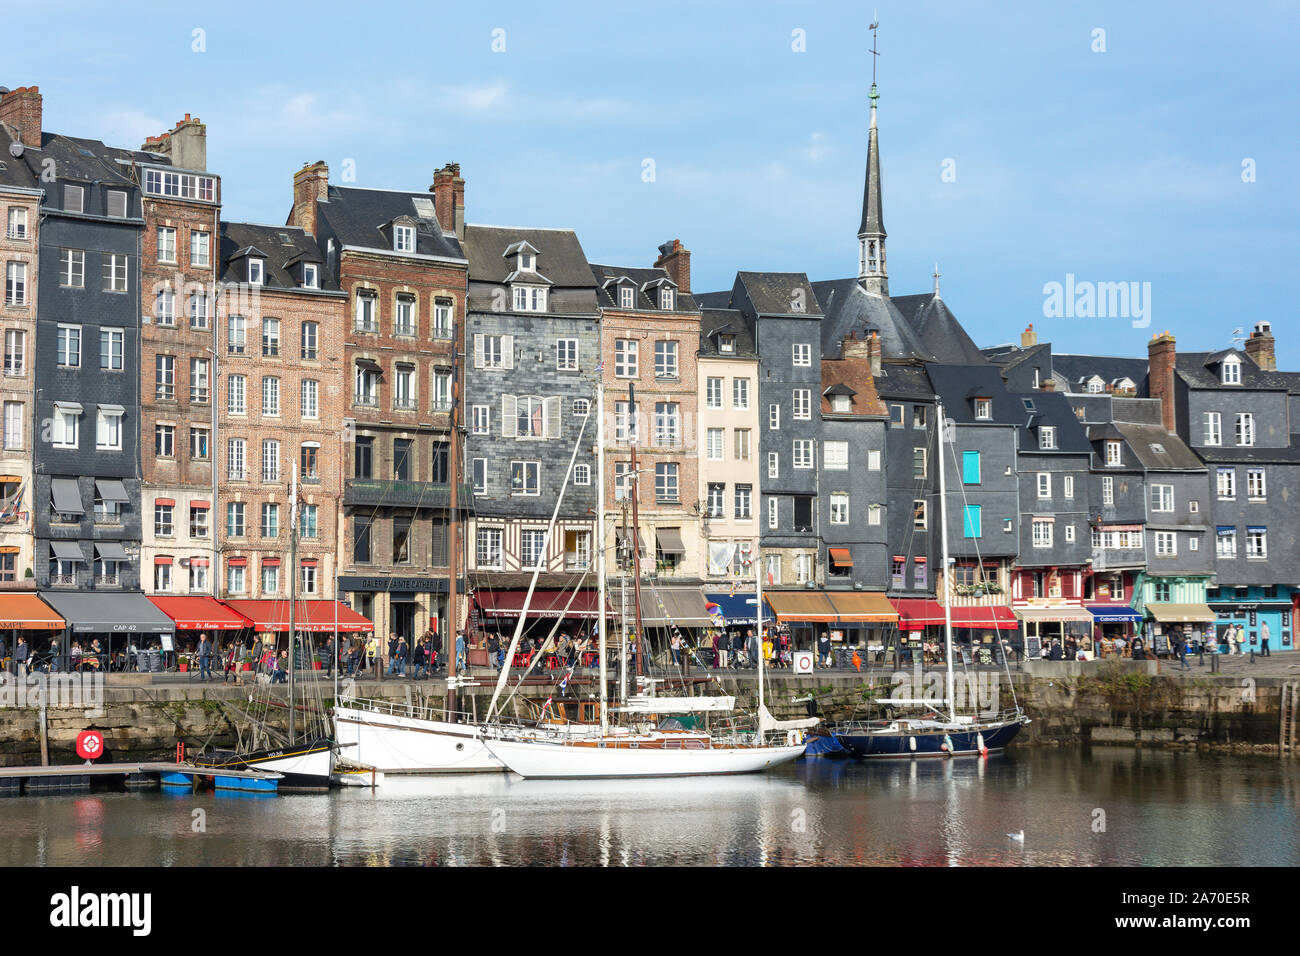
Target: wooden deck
77	778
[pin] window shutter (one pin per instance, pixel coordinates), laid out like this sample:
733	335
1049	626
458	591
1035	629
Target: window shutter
507	351
478	350
552	418
509	419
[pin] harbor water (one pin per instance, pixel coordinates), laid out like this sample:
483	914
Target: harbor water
1075	807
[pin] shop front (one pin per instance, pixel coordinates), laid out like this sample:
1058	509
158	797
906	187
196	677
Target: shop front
984	631
1064	626
113	631
497	613
850	619
315	623
665	610
805	615
1259	612
1112	621
196	615
25	616
1165	622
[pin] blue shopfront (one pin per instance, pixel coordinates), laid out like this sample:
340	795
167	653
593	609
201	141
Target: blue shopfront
1261	612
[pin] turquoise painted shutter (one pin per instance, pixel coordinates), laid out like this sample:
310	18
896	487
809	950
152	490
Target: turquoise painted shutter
971	523
970	467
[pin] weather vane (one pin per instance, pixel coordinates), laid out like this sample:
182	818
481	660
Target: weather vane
875	25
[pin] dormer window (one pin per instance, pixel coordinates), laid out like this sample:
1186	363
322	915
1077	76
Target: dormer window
841	403
726	343
1113	456
1096	385
256	271
310	275
626	297
1232	370
984	409
1047	436
666	299
530	298
403	238
527	263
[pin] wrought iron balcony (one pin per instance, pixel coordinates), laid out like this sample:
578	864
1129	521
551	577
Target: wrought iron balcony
401	494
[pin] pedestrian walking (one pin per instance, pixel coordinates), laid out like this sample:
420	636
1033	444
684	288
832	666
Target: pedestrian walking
1263	640
22	654
205	657
392	655
460	652
1182	653
403	654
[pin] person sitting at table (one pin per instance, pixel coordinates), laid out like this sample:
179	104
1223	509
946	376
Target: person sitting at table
281	673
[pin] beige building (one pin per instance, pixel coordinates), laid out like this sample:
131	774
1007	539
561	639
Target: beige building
728	450
20	209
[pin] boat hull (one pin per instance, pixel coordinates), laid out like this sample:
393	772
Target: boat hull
555	760
306	766
928	742
395	743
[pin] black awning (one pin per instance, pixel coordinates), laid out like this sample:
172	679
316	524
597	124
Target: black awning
98	612
669	540
67	497
67	550
370	365
111	489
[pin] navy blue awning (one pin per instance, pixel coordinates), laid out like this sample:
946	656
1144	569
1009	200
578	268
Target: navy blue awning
1112	614
741	608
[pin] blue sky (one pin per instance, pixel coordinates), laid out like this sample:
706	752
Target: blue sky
1117	166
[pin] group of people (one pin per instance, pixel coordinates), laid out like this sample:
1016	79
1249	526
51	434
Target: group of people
740	650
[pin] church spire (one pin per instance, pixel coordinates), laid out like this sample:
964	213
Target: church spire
872	272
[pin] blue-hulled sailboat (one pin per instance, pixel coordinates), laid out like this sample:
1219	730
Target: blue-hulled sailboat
939	733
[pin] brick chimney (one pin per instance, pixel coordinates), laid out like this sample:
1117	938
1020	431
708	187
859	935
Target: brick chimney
21	109
675	259
310	184
864	349
1161	357
449	199
187	144
1028	337
1260	346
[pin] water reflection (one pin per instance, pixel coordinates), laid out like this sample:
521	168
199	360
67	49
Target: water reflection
1157	808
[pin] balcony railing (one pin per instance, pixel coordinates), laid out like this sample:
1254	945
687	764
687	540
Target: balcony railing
424	494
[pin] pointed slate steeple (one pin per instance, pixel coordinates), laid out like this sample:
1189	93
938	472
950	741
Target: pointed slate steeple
872	272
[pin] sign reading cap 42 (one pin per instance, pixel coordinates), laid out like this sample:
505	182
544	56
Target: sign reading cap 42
90	744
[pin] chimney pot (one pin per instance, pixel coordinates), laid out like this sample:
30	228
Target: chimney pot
675	259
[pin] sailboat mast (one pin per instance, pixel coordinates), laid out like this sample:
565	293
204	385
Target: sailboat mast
453	503
947	571
293	589
601	621
642	644
622	616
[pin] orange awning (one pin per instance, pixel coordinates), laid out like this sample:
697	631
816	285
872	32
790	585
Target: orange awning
841	558
863	607
810	607
27	612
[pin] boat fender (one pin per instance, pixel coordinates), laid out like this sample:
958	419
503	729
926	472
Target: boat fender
793	737
983	747
911	743
946	746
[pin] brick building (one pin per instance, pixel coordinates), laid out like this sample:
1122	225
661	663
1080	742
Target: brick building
397	257
650	343
181	203
280	342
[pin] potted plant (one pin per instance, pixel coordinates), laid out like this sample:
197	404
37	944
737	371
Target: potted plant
183	663
247	663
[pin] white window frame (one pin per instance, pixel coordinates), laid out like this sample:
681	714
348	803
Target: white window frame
1162	498
802	405
802	355
566	355
740	394
803	454
1213	425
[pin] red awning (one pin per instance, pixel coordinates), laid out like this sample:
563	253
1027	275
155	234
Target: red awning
236	562
270	562
162	560
200	614
991	618
915	613
198	562
308	562
315	616
164	501
545	603
196	503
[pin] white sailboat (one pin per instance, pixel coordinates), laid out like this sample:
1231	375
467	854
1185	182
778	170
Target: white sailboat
642	750
400	738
